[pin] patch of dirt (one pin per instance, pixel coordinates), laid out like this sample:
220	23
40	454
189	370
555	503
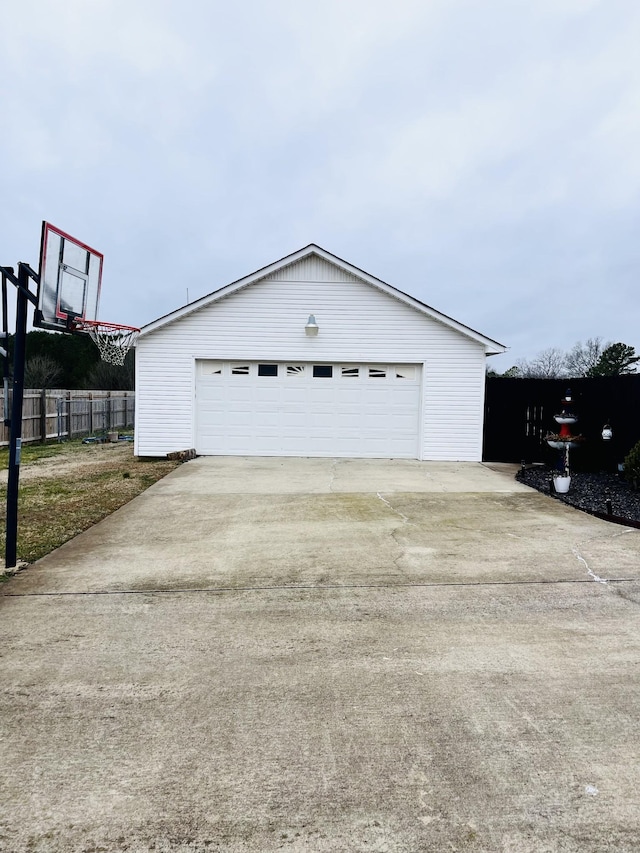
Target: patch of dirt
89	458
67	488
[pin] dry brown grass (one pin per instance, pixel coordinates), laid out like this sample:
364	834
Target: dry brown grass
64	489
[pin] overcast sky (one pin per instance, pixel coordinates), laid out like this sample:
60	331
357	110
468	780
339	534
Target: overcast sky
482	156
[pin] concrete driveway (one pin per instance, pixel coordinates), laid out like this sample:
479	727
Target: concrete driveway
326	655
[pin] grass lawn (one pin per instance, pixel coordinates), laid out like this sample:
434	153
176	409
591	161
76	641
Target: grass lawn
67	487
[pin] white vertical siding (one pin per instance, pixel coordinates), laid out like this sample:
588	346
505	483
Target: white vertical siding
357	323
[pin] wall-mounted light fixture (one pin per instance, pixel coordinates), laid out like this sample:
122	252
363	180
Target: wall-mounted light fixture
311	329
607	433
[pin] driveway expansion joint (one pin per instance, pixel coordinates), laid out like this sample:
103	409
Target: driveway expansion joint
311	587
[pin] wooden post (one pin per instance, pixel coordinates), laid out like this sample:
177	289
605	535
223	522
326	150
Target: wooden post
43	416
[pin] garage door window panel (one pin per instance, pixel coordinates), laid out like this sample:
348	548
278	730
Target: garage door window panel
267	370
408	372
322	371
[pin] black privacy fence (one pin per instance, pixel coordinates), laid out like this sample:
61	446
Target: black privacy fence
519	413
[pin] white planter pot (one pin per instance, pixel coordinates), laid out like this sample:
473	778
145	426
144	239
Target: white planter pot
561	484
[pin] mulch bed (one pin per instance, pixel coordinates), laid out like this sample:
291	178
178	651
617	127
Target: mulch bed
590	493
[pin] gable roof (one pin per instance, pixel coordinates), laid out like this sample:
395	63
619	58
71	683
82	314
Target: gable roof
492	347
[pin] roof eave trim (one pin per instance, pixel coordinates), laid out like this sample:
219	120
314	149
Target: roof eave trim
491	347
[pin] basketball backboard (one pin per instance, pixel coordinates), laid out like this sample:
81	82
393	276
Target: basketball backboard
70	278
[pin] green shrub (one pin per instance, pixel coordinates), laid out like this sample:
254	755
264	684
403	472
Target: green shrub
632	466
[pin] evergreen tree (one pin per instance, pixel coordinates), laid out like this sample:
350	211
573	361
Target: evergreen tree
616	360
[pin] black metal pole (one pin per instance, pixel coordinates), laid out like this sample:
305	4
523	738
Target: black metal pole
15	445
5	345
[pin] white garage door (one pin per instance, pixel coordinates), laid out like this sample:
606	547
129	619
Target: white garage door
303	409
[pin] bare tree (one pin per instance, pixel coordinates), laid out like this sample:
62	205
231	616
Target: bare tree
41	371
113	377
582	359
548	364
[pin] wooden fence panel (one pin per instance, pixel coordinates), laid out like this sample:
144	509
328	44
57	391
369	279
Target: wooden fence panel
59	414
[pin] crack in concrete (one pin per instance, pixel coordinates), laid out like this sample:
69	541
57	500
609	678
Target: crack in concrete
404	518
600	538
395	532
610	534
624	532
591	574
332	474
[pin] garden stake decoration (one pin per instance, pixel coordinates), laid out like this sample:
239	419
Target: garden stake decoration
564	441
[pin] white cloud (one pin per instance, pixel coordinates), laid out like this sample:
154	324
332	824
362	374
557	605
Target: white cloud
453	147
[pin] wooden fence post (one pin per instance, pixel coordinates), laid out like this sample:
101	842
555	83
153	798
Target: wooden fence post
43	415
117	410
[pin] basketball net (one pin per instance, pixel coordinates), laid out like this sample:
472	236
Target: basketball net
112	339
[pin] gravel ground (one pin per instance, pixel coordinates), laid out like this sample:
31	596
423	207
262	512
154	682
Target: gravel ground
589	492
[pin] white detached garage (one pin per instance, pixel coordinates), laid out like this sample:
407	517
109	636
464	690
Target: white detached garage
311	356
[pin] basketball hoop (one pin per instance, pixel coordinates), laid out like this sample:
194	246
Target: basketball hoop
112	339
